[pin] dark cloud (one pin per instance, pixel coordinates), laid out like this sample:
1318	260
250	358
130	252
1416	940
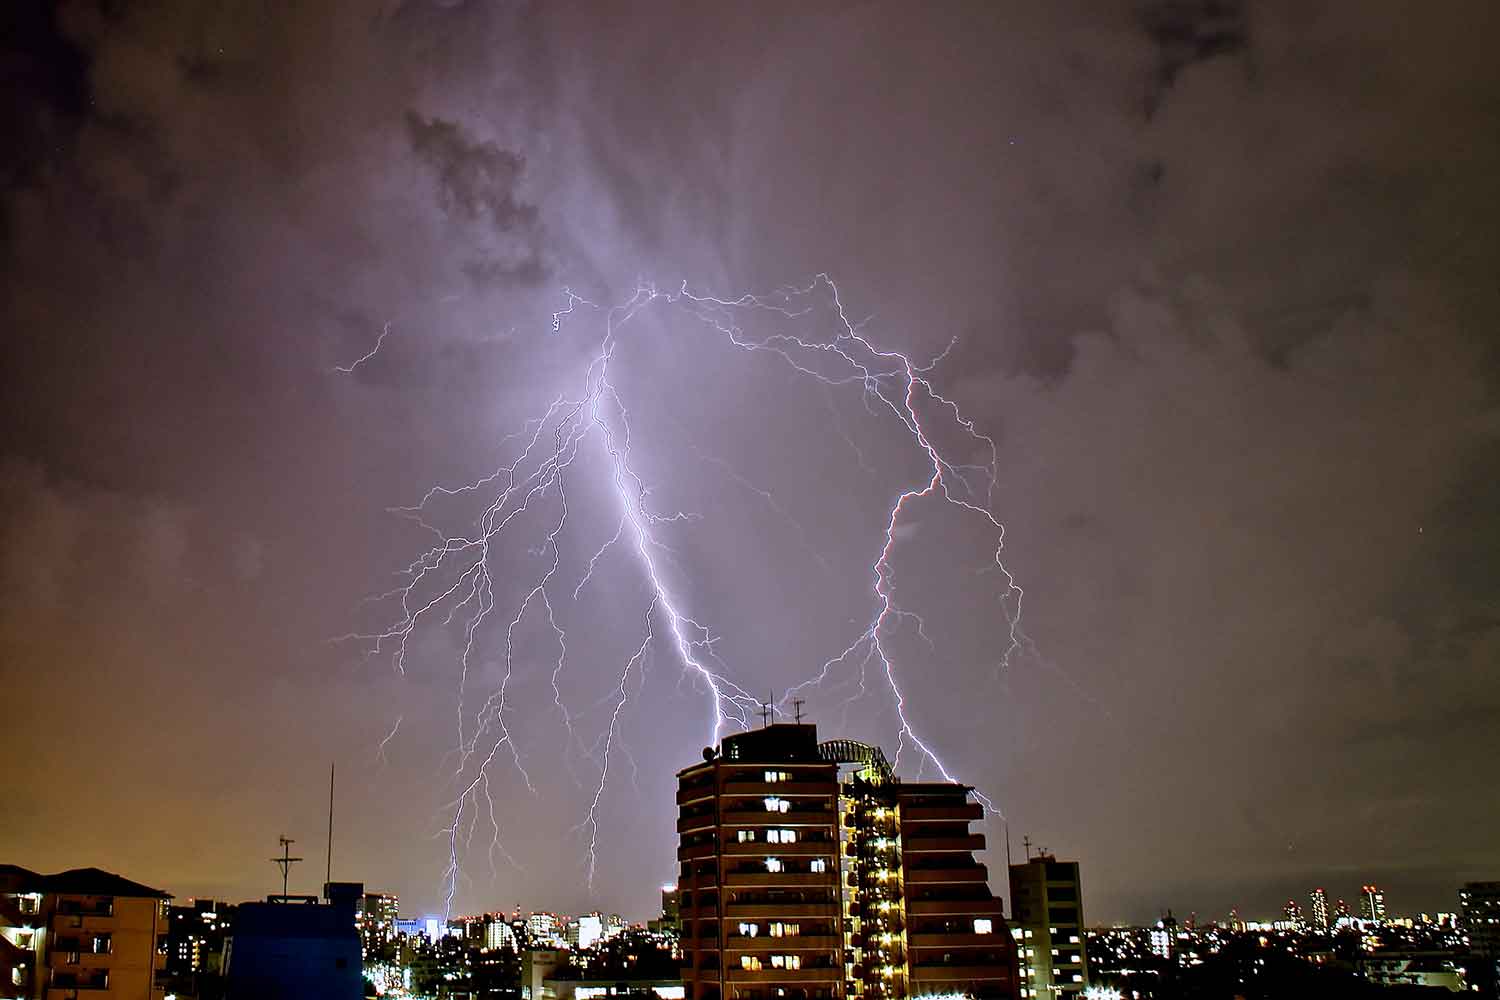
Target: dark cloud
1236	353
1191	31
478	181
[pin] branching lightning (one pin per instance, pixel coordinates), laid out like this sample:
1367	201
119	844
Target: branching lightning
589	431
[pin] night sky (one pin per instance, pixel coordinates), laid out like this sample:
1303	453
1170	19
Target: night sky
1222	282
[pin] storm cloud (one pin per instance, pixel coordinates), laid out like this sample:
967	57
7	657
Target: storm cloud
1220	278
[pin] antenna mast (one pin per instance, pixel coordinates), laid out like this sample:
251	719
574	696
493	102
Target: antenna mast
328	876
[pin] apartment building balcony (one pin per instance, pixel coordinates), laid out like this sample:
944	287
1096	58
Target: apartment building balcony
796	943
747	911
696	851
827	974
939	907
800	848
695	793
924	942
776	879
761	789
968	811
969	873
927	845
942	973
765	817
689	824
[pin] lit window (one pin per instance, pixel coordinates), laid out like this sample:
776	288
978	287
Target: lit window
773	777
775	804
779	929
773	865
983	925
750	962
781	836
746	835
749	929
818	865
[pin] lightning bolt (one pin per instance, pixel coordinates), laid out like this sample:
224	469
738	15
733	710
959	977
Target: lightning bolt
453	579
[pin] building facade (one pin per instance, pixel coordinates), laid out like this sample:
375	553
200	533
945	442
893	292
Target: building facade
1371	903
809	872
1480	904
1046	896
1320	915
376	914
84	930
294	946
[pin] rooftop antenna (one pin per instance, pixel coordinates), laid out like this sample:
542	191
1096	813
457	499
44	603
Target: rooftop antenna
328	876
1007	841
765	714
285	862
1026	843
797	707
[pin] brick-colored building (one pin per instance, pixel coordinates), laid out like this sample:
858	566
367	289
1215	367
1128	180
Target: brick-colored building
809	872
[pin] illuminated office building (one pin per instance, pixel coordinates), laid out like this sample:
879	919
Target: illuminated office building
809	872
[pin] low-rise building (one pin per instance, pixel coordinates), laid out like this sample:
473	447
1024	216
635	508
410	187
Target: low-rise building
81	930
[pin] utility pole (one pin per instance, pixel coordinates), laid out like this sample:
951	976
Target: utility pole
285	862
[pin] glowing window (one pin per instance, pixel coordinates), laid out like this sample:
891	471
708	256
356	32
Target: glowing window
774	776
749	929
775	804
746	835
983	925
773	865
750	962
818	865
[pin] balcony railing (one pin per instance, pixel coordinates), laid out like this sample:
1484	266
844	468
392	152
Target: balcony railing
980	907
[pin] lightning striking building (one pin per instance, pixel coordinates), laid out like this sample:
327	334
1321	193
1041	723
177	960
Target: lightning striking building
809	872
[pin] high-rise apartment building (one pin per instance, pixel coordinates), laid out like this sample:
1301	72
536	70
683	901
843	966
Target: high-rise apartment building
498	933
1371	903
376	914
809	871
1046	896
542	930
82	931
1319	899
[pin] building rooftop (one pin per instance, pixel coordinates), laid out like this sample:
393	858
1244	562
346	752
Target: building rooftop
78	882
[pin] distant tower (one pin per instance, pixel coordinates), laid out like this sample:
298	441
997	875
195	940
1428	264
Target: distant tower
1319	910
1371	903
1292	911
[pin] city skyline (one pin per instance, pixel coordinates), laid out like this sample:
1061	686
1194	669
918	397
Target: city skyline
1195	299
